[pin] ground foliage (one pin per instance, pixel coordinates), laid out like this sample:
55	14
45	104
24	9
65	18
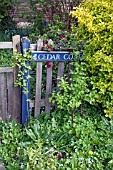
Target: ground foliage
53	142
6	57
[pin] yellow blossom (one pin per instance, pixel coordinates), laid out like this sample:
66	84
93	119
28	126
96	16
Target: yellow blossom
48	164
90	152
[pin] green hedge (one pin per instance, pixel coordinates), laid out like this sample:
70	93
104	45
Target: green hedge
92	78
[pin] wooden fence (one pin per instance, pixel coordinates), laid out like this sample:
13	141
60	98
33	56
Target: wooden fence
44	102
49	58
14	104
39	102
49	87
10	96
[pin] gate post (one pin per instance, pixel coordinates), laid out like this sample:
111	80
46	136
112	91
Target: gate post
16	112
25	97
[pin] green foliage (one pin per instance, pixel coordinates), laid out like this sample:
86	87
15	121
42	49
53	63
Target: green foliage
5	54
6	22
51	12
53	142
71	95
5	5
10	137
22	61
93	37
95	25
6	57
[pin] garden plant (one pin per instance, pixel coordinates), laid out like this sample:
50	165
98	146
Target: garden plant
77	135
53	142
92	76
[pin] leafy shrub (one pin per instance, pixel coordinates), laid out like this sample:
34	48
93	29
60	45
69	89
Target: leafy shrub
53	142
92	78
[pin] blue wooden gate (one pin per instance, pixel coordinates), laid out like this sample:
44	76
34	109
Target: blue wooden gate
39	57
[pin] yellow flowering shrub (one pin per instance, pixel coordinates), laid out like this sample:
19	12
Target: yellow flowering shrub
95	27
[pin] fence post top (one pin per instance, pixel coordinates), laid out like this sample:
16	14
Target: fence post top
25	44
25	39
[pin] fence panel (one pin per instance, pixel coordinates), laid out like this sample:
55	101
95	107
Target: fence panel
44	102
10	96
50	58
7	96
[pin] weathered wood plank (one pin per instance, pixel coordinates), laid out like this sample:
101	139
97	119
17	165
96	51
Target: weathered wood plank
3	97
10	98
17	109
48	88
6	69
16	44
38	89
4	45
60	73
32	103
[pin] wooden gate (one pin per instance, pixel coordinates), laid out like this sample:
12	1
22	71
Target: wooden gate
39	102
44	102
14	104
10	96
49	58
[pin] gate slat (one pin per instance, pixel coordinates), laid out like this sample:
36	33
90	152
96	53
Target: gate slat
48	88
10	89
3	97
60	72
38	89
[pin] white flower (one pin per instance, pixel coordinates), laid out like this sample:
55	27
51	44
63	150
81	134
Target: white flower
89	160
61	165
76	150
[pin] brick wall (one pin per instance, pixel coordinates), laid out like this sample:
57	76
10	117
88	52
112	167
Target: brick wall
23	6
21	11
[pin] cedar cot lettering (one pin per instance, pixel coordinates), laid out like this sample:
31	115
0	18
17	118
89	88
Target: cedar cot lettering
51	56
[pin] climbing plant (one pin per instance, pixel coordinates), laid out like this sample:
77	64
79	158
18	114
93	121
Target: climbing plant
22	61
